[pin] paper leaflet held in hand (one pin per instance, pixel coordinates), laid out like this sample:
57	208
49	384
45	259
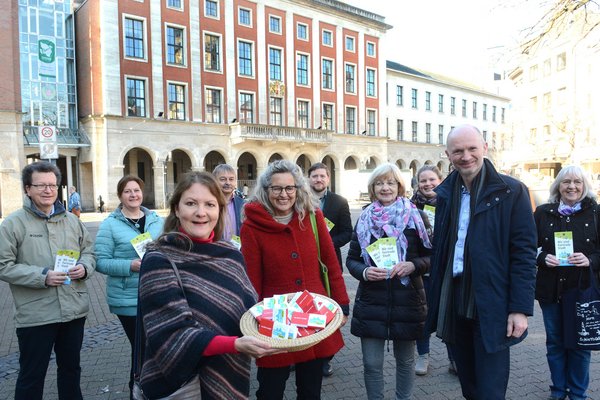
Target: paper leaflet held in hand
300	316
384	252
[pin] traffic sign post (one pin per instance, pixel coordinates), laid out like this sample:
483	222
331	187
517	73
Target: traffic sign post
48	145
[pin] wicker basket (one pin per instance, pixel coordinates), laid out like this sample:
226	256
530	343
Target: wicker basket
249	326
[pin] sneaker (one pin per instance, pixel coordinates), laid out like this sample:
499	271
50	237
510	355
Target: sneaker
327	369
422	364
452	368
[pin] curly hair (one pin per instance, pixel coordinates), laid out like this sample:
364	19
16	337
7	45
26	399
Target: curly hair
304	200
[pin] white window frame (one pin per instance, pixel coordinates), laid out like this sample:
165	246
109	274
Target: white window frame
239	110
185	100
145	38
56	17
332	74
31	10
218	16
346	130
240	9
220	36
277	17
221	106
353	49
176	8
323	37
367	111
323	104
59	121
374	55
281	114
308	109
146	95
298	24
252	58
354	92
184	45
282	62
374	95
308	72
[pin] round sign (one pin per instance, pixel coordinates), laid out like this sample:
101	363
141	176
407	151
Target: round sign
47	132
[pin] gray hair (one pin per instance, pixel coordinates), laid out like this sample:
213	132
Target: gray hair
576	171
303	204
223	169
386	169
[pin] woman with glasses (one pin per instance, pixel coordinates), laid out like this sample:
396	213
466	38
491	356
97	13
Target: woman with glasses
117	257
281	255
571	208
390	301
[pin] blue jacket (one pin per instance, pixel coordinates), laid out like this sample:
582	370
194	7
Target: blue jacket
502	240
114	253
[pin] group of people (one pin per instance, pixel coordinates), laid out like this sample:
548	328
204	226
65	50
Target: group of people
463	266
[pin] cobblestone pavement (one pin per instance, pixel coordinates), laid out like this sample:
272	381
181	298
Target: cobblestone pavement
105	358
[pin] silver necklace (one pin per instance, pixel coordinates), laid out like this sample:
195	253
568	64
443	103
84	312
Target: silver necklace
135	222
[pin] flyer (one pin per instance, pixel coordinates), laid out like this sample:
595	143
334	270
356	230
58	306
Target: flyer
384	252
237	242
329	224
139	243
430	212
66	260
563	244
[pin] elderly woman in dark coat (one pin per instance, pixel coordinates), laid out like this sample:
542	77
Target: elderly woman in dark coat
390	303
571	208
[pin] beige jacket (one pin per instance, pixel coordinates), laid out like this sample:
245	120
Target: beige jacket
29	241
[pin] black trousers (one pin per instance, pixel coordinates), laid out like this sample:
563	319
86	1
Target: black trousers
309	377
35	347
128	323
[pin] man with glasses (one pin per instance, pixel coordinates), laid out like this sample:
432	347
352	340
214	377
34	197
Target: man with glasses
46	257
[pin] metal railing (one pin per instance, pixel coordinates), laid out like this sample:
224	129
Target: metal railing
64	136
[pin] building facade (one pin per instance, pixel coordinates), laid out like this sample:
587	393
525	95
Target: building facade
556	102
156	88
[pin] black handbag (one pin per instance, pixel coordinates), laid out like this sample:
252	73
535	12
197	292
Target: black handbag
191	390
581	316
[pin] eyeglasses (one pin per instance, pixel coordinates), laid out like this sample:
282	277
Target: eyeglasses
276	190
42	187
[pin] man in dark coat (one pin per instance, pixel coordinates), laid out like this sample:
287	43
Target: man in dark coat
336	211
227	177
483	267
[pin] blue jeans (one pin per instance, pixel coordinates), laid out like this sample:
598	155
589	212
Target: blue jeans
404	353
35	347
569	369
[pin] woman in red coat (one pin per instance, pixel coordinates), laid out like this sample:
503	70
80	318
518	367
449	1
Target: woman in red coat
280	250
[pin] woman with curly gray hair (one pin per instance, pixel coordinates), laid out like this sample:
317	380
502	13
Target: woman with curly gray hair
282	256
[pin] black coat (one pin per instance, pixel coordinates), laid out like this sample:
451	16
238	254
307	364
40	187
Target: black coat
387	309
551	282
336	210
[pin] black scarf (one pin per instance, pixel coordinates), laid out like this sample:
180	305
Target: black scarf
466	304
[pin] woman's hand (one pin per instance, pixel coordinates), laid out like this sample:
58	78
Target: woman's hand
579	260
402	269
344	320
135	265
551	260
255	348
376	274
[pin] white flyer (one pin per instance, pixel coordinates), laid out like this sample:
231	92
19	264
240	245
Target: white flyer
65	261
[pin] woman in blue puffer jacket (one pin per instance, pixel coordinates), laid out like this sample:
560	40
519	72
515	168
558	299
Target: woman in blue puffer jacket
117	257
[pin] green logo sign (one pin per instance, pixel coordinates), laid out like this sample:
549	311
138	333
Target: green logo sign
46	51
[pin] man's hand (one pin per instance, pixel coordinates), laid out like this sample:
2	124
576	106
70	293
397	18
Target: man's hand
517	325
55	278
77	272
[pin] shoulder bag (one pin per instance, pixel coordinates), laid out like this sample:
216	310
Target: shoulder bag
581	313
322	266
191	390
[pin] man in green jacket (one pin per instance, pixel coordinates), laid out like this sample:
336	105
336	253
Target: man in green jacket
46	256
